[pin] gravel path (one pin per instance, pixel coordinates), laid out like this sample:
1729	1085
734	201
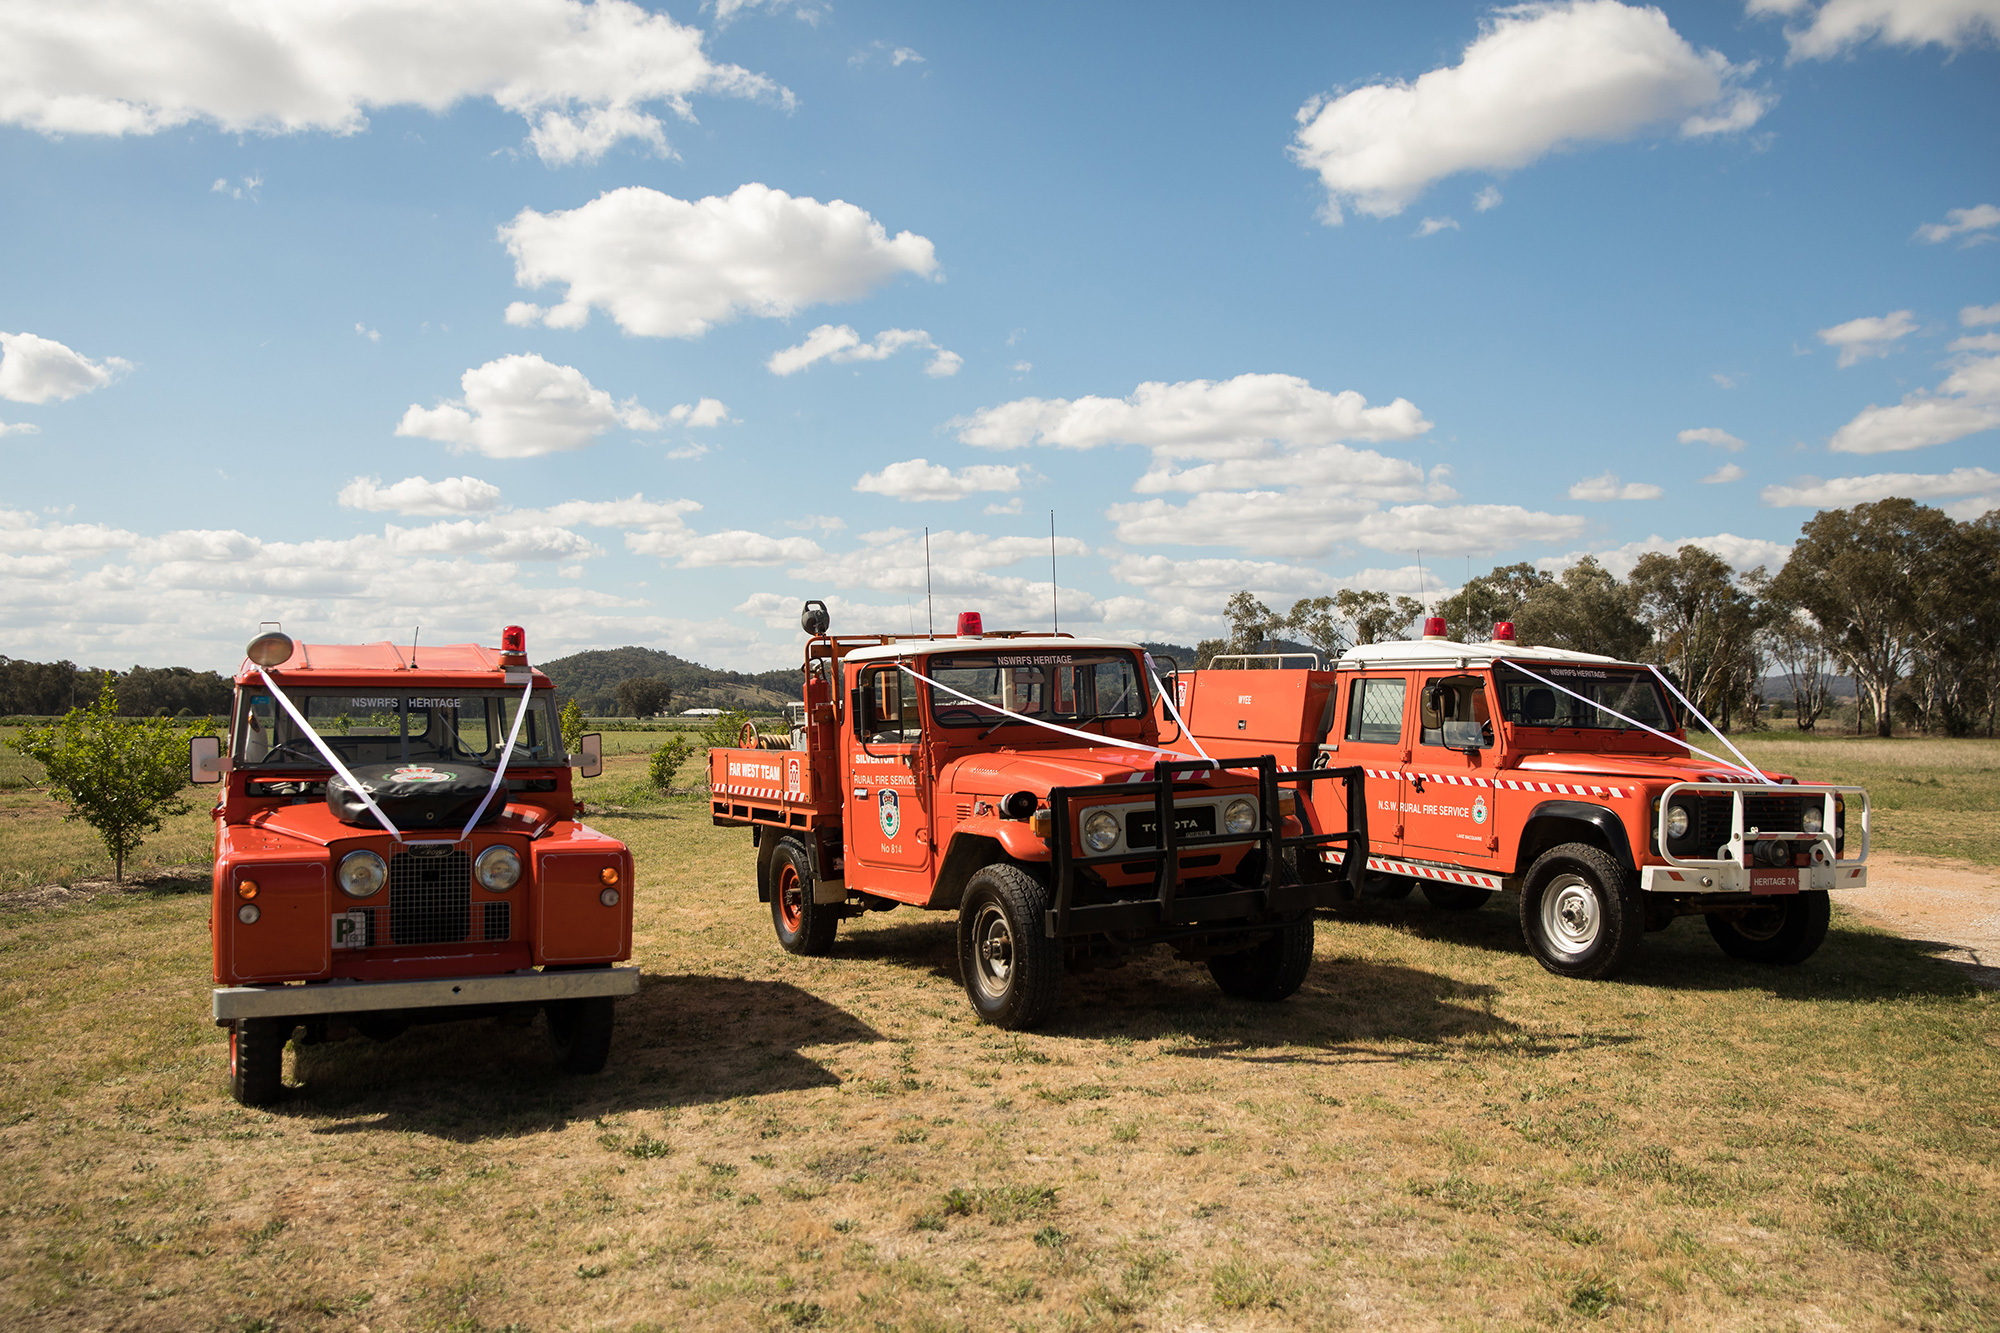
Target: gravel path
1952	906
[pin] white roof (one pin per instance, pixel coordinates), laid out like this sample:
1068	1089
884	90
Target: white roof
925	647
1448	653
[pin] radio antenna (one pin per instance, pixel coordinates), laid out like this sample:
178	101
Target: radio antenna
1423	592
1054	615
930	616
413	646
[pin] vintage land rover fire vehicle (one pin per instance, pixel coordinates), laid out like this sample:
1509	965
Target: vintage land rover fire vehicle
1561	776
397	842
1019	781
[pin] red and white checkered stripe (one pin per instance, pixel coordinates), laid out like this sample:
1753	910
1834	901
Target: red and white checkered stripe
1418	870
738	789
1503	784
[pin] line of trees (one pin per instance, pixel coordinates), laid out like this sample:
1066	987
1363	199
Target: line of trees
49	688
1896	596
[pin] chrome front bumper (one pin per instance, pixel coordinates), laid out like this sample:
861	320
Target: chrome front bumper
1728	873
357	997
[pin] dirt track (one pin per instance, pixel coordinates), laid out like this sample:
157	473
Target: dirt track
1953	906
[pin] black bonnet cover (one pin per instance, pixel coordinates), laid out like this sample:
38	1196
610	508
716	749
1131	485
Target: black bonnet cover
416	795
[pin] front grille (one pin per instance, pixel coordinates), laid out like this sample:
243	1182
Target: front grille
430	897
1712	828
499	921
368	932
1774	814
1142	827
1767	814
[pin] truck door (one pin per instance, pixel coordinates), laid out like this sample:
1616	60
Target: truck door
1369	731
1448	804
887	824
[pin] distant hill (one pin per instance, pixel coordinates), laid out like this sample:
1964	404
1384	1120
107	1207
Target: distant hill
592	679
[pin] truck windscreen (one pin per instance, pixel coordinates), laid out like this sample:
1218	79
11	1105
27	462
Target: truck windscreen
1529	703
1061	687
383	727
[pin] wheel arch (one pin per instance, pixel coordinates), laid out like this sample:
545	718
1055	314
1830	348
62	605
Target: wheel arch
1553	823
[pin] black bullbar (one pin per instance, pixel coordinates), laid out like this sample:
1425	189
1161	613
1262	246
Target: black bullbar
1168	909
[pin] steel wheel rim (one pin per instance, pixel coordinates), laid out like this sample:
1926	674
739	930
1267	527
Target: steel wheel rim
791	896
1761	924
1572	914
992	951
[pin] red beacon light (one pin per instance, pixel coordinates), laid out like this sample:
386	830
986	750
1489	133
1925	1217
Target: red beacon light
513	646
1503	631
1434	629
970	625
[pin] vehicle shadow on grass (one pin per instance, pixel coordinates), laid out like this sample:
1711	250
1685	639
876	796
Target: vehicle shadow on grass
1857	964
681	1041
1349	1010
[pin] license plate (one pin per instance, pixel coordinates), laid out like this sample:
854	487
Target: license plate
1774	881
350	930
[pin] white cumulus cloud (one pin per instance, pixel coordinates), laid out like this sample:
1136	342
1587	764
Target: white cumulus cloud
1740	553
35	369
1965	403
1975	224
1838	25
840	344
578	71
523	406
1721	439
1538	77
1606	486
921	479
421	496
1871	335
674	268
1840	492
1973	316
1728	472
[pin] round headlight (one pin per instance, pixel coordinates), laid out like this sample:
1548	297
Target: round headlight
1677	822
497	869
1240	817
1100	831
1815	819
362	874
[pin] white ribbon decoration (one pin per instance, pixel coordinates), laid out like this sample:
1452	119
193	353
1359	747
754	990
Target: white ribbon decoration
353	783
1636	723
1172	711
1046	726
500	773
1712	729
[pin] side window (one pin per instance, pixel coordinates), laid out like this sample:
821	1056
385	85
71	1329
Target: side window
1375	710
1455	713
889	717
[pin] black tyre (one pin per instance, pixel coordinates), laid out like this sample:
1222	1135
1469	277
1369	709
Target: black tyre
382	1025
803	926
1581	912
1455	897
580	1031
257	1059
1389	888
1783	931
1273	969
1011	968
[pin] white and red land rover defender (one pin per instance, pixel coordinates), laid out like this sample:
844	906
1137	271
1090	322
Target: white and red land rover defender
1561	776
1019	781
397	842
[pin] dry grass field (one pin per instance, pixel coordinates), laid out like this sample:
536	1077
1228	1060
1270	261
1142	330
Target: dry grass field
1434	1133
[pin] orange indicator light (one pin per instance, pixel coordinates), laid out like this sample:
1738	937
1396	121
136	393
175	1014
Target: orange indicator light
609	875
247	889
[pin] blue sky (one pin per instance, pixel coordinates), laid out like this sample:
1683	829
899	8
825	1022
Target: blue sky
369	315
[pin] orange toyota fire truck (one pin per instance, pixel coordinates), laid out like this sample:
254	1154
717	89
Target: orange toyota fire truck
397	842
1564	777
1018	780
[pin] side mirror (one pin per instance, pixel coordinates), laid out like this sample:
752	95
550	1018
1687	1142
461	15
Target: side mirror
590	761
205	762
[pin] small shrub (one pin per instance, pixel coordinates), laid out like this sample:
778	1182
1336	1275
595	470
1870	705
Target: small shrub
666	762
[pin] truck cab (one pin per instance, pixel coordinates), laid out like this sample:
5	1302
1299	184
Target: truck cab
397	841
1020	781
1563	777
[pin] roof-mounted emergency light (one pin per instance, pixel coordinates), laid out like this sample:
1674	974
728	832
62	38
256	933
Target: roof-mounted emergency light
970	625
269	650
1503	631
513	646
1434	629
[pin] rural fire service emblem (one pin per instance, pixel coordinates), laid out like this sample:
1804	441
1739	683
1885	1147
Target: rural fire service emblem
890	811
1479	809
420	773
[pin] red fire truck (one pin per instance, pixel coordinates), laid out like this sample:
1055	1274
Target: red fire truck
1563	777
397	842
1018	780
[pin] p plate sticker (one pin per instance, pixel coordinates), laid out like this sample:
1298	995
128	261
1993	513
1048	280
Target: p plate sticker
350	930
421	773
1479	809
889	810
